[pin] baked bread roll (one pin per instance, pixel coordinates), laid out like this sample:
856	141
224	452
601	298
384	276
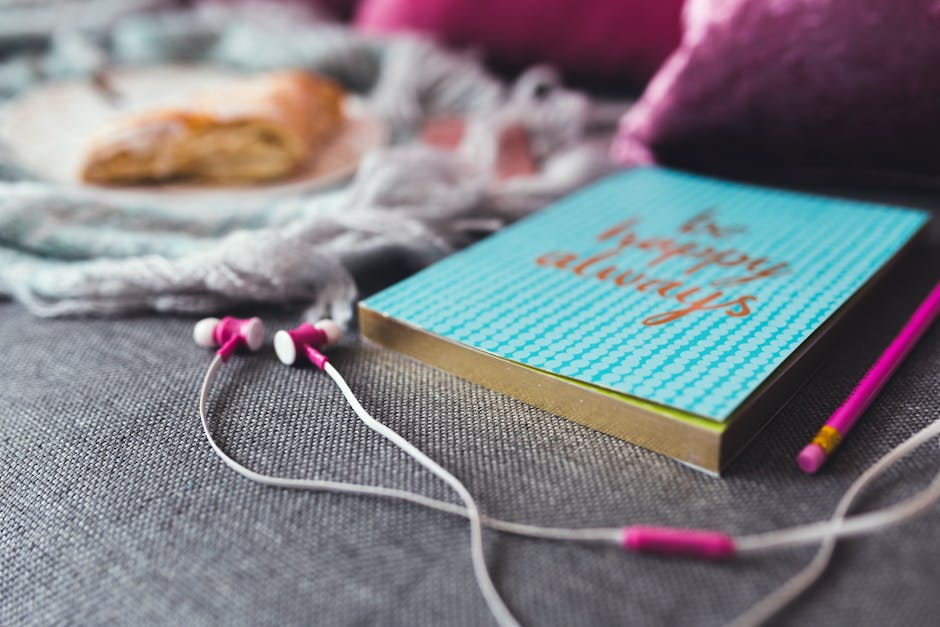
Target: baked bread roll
258	129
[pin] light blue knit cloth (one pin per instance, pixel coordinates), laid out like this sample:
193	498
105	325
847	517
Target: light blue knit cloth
62	254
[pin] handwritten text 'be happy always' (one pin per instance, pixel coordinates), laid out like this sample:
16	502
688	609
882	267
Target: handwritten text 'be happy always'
743	268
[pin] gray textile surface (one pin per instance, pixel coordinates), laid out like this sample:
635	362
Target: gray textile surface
113	509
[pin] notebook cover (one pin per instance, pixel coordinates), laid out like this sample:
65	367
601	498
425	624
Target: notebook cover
677	291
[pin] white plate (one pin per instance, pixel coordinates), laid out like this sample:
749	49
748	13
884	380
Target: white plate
48	128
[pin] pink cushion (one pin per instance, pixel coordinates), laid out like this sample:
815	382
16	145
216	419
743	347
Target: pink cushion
624	40
798	85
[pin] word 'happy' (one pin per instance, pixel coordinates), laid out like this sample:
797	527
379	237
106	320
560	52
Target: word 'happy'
743	268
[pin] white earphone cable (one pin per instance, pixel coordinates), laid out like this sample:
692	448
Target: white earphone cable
500	612
827	532
498	608
493	600
838	526
599	535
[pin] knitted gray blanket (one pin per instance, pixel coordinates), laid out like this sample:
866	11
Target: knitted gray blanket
66	254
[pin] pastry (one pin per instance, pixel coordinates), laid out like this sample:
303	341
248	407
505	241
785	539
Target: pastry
256	129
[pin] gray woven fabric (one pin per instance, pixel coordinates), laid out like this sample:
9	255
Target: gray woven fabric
114	510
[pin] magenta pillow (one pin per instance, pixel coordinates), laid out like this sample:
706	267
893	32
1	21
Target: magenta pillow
831	86
622	40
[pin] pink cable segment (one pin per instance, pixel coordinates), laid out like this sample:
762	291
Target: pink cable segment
700	543
305	338
229	335
317	358
226	337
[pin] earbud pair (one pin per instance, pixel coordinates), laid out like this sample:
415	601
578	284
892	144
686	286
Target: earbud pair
304	342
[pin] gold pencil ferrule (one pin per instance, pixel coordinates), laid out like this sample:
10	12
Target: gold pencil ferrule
828	439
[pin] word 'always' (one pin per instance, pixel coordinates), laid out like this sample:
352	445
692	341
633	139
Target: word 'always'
744	268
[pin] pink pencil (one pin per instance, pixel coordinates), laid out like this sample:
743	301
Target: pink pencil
811	458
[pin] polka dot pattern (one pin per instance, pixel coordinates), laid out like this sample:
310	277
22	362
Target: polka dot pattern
496	298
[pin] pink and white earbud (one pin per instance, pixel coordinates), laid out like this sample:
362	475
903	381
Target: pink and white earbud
229	334
305	341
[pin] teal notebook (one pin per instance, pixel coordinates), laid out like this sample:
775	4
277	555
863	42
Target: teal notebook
676	294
